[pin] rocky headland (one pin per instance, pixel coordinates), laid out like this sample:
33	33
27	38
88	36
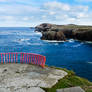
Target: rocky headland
64	32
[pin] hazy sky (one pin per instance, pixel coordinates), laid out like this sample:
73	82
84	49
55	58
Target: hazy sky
34	12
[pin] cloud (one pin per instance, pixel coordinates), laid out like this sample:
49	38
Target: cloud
18	21
55	8
3	0
57	5
28	13
83	0
17	9
58	13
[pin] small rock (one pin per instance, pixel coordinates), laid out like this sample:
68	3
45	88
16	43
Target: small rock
4	70
72	89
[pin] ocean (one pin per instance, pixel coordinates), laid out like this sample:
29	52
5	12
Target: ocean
73	55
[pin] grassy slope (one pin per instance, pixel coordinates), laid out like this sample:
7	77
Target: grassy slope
71	80
72	27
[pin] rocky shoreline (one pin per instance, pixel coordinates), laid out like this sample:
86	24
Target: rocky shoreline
64	32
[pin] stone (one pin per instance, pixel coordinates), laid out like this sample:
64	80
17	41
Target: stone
72	89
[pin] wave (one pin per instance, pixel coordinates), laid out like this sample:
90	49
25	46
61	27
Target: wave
78	45
21	40
89	62
71	40
89	42
38	33
53	41
5	33
56	44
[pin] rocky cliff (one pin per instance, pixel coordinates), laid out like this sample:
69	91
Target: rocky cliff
63	32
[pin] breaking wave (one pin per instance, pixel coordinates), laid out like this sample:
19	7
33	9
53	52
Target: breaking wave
78	45
53	41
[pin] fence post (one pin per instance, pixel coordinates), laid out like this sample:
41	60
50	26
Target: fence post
21	58
27	57
44	60
4	58
9	57
16	57
1	58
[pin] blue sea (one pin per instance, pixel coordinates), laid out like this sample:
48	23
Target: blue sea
73	55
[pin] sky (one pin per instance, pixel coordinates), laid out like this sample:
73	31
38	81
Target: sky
29	13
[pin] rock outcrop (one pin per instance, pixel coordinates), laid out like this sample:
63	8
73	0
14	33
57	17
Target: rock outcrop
52	35
63	32
43	27
28	78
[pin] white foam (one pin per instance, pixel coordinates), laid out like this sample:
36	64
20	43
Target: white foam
71	40
56	44
38	33
89	62
89	42
21	40
53	41
77	45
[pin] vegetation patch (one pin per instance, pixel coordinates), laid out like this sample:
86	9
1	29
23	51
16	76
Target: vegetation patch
71	80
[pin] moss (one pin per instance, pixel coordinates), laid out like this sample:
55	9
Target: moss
71	80
89	90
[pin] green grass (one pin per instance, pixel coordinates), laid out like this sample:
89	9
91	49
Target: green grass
71	80
74	26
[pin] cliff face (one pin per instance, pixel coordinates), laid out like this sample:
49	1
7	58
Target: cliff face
63	32
52	35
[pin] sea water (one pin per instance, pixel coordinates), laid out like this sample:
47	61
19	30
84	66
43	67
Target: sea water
73	55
